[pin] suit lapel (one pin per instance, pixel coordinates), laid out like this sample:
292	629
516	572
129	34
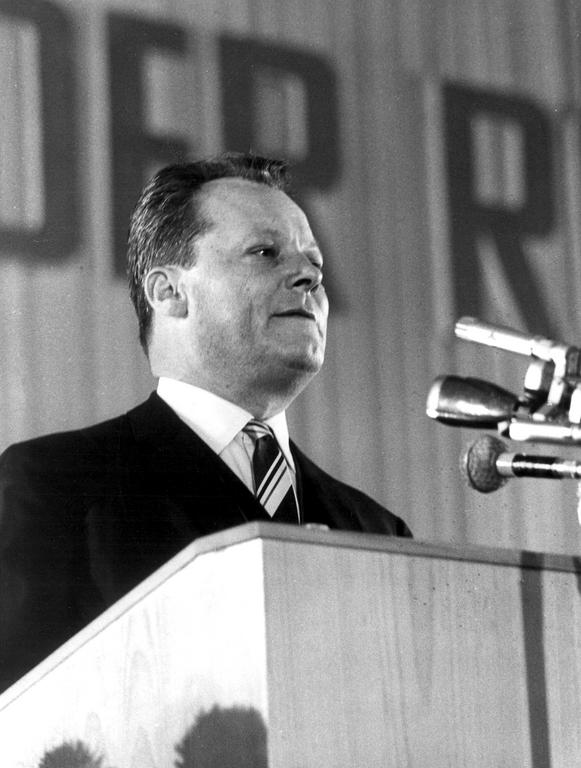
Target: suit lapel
182	467
167	489
318	497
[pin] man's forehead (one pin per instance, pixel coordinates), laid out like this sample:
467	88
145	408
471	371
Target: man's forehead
257	203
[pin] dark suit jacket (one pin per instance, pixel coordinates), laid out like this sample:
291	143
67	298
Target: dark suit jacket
86	515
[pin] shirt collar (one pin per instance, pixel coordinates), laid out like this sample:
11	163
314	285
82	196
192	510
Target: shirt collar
215	420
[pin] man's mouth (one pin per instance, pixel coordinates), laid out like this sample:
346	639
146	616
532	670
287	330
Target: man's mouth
300	312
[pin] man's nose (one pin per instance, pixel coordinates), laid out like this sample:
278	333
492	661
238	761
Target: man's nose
305	274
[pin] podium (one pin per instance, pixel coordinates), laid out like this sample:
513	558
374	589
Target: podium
272	645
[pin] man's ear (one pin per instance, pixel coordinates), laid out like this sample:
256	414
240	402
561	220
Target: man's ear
163	291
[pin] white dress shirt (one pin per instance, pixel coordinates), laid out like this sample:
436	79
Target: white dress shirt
219	423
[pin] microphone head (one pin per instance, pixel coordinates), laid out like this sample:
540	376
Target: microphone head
478	464
469	402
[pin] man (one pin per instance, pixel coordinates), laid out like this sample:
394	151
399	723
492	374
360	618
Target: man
226	278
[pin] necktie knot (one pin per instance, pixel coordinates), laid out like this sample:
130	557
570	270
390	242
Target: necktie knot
256	429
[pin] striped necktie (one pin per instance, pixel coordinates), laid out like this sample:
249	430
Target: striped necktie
272	478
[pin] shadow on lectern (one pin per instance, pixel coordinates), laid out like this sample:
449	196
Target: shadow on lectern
221	738
71	755
224	738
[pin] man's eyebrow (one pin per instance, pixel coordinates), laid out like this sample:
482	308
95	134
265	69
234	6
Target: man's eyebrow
276	233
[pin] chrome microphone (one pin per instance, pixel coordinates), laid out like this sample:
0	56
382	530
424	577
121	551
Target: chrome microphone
471	329
487	465
469	402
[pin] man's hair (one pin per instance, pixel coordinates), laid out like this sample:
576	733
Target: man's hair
167	218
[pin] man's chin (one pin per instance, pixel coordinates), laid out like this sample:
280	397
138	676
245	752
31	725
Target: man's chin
310	365
296	365
286	361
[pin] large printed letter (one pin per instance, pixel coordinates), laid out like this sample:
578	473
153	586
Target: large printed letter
243	63
505	225
52	234
134	149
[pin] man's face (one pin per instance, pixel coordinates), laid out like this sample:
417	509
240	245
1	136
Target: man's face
256	308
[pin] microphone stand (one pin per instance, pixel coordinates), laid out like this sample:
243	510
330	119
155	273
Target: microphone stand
549	410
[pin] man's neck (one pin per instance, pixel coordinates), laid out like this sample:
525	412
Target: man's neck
261	404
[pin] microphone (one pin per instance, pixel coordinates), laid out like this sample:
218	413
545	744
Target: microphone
471	329
487	466
469	402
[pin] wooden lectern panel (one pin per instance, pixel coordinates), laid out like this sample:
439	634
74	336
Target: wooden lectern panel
415	661
296	648
131	685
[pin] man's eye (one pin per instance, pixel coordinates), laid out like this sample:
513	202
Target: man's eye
268	251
